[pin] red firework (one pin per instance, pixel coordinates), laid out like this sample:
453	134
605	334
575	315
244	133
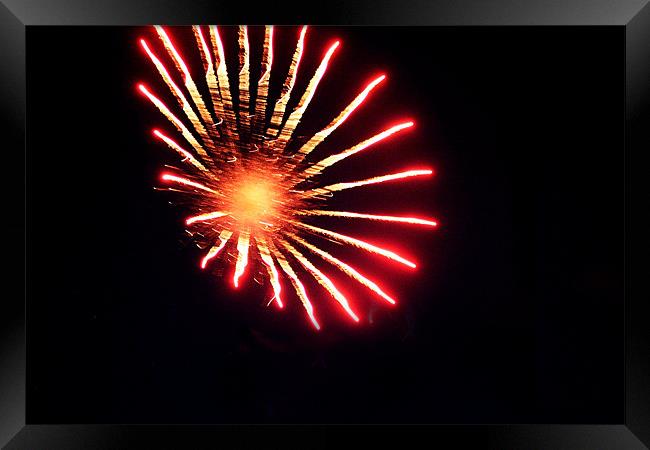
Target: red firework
246	188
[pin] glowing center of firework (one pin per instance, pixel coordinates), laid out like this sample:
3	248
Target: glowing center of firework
254	201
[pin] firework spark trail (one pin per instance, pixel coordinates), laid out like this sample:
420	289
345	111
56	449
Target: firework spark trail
318	167
185	105
374	180
205	217
222	77
322	279
263	85
287	88
242	255
202	44
356	243
297	285
186	182
187	156
187	79
345	268
244	82
213	84
253	192
296	115
167	43
224	236
179	125
265	254
352	215
319	137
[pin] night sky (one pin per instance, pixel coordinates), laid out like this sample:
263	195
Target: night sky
513	314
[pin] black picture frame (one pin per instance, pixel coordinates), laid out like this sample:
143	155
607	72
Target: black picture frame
634	16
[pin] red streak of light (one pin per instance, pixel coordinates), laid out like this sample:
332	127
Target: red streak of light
359	243
303	294
329	53
365	281
298	287
310	313
323	280
209	256
157	63
390	131
352	215
173	144
320	72
275	279
175	54
376	180
362	96
204	44
301	45
242	257
185	181
270	47
220	50
159	104
347	269
333	159
324	64
214	251
205	217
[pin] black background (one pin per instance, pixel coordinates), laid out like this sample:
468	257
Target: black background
512	316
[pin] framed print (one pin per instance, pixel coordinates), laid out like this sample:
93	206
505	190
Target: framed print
298	226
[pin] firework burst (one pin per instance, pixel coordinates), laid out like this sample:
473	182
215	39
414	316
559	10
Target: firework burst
250	193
